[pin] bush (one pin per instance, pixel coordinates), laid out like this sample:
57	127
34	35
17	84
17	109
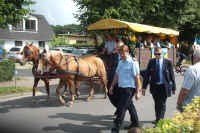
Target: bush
4	53
7	68
185	122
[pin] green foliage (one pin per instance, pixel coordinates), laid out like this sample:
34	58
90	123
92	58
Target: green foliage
59	41
13	11
185	122
4	53
92	11
185	47
10	90
7	68
66	29
183	15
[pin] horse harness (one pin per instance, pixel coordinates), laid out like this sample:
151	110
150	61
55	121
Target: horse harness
77	73
49	75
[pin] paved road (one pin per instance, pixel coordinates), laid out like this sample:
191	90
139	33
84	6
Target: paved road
94	116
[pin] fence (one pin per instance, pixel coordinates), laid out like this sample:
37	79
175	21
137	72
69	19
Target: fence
143	55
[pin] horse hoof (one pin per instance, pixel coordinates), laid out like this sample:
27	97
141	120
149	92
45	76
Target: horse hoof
62	102
77	97
89	98
69	104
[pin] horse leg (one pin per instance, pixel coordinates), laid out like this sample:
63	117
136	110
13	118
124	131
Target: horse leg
71	89
36	80
77	89
65	88
91	94
61	100
104	82
46	81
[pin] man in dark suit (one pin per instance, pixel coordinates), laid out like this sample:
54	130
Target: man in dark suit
160	75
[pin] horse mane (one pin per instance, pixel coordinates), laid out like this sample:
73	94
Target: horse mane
36	51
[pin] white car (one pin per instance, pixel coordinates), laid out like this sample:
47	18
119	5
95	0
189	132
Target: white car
79	51
15	53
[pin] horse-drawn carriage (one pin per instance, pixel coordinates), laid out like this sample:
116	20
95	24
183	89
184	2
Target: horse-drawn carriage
132	32
70	69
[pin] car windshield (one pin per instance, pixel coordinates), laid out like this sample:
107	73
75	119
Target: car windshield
15	49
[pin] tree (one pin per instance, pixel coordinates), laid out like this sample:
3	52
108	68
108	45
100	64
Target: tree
91	11
163	13
13	11
59	41
70	28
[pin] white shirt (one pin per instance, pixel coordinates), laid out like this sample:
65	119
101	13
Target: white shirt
191	82
110	46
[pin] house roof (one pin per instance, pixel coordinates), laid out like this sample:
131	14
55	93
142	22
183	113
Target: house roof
44	33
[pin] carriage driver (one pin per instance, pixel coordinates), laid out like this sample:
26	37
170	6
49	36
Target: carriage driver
110	45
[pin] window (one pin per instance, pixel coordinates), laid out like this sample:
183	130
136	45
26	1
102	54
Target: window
42	44
18	27
30	25
18	43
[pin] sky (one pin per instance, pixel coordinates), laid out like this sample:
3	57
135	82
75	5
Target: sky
57	12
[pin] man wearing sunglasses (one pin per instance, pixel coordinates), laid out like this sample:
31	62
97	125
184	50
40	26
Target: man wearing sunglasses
160	75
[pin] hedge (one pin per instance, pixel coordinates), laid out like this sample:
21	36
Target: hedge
7	69
185	122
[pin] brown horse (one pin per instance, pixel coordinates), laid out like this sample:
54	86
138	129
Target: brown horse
71	69
32	53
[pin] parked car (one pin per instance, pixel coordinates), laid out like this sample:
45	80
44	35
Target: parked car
56	49
15	53
79	51
68	49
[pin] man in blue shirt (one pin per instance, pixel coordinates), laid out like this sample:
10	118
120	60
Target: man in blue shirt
128	79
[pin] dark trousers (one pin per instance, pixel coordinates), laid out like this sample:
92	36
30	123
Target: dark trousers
160	98
114	98
126	103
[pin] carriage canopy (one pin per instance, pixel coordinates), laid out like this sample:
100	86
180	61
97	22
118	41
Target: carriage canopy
106	24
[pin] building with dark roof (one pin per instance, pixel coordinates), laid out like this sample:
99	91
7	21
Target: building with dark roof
35	29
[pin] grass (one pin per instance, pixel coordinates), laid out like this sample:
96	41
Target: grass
11	90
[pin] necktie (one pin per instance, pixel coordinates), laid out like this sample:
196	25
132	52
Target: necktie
158	69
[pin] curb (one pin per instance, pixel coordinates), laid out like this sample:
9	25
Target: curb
18	95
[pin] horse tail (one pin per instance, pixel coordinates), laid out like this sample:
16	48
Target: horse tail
102	70
103	76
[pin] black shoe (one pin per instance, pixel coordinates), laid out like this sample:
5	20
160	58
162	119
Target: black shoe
155	122
115	114
115	130
131	126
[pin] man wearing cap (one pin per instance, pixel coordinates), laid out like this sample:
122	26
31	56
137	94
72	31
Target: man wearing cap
160	75
191	83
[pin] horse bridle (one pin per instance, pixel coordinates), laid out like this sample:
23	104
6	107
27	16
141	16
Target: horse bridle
54	66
